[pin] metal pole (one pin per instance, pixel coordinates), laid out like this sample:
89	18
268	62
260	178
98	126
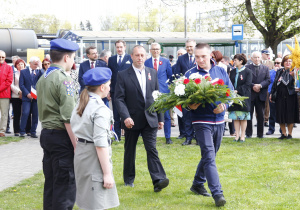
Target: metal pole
185	19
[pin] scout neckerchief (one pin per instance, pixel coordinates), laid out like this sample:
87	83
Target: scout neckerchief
50	70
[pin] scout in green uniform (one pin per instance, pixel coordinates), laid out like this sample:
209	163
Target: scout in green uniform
56	100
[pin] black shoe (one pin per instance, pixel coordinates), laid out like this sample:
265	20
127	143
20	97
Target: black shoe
282	137
260	137
187	142
248	136
161	184
181	137
169	141
295	126
22	135
173	125
34	136
255	125
219	200
17	134
7	131
28	134
269	133
200	190
129	184
266	124
289	136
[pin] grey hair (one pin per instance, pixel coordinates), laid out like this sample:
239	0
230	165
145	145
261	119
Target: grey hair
137	46
155	43
15	57
104	53
34	58
255	52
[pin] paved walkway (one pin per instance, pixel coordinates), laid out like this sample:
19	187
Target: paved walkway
21	160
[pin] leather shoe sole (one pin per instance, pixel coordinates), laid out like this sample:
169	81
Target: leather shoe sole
161	184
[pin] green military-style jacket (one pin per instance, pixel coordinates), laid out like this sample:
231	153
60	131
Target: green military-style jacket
55	98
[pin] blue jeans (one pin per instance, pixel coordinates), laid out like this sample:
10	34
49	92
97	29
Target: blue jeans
209	137
27	107
167	124
272	118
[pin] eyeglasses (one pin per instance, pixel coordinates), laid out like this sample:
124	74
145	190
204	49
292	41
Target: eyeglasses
2	57
277	63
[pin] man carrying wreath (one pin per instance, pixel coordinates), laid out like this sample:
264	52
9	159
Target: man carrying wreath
208	123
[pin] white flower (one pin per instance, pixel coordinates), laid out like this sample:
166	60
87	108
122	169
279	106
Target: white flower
179	90
155	94
195	76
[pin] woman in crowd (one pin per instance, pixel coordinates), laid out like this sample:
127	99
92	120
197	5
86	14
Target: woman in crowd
241	78
16	99
284	94
91	121
217	56
45	65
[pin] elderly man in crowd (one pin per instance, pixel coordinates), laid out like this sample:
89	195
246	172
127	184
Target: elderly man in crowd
259	89
6	78
272	106
27	83
104	56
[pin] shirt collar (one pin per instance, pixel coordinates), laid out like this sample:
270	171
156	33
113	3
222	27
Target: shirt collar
138	70
96	96
212	62
155	58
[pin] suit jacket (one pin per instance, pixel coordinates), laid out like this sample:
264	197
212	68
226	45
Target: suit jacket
164	73
263	78
243	87
129	98
84	66
183	64
25	82
115	68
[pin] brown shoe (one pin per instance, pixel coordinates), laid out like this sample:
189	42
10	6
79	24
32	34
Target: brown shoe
2	134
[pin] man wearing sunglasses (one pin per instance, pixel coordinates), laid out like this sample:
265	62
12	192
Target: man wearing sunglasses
6	78
272	106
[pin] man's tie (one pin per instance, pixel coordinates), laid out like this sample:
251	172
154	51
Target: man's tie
155	64
191	60
92	65
120	60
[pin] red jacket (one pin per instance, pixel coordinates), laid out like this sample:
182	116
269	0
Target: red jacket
6	78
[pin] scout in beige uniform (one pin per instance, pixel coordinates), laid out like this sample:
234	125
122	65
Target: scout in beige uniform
91	122
55	104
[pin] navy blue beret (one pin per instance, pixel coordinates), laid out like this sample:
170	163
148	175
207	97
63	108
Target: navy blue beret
96	76
265	51
63	45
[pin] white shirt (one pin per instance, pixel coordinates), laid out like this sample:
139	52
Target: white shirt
93	63
157	62
193	58
141	76
118	58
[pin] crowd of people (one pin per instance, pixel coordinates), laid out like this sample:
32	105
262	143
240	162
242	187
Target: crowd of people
49	91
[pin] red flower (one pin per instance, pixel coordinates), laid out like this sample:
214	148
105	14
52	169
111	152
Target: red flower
228	92
160	62
185	81
221	82
197	81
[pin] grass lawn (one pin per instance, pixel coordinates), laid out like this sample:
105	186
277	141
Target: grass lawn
7	140
257	174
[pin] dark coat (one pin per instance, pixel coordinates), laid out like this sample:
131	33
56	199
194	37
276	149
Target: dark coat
183	64
129	98
263	78
290	86
25	82
243	89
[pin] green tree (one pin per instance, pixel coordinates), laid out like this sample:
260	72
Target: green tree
40	23
67	25
88	26
125	22
276	20
81	26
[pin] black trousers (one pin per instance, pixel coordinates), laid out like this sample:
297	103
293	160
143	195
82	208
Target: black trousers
17	109
260	110
58	167
155	167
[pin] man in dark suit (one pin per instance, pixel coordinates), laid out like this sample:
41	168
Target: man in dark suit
164	73
117	63
91	63
259	89
27	83
184	63
104	56
133	97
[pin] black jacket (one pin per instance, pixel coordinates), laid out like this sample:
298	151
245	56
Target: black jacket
243	89
290	86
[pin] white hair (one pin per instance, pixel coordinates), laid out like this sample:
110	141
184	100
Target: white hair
155	43
34	58
255	52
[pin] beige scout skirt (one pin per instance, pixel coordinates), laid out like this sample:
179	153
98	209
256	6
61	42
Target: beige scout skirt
90	193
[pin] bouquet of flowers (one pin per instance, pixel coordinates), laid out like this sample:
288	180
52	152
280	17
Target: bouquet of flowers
196	89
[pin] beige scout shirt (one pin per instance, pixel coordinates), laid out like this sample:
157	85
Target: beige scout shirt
55	98
95	122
